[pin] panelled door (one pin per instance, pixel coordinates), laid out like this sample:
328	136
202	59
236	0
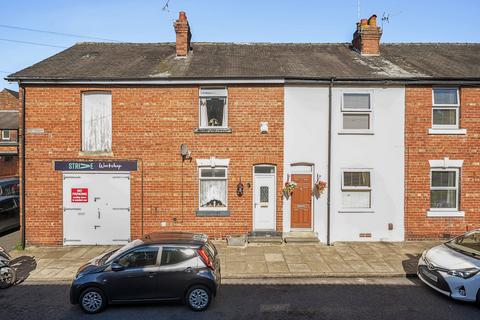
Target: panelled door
264	198
301	202
96	208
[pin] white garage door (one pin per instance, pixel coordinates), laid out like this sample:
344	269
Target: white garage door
96	208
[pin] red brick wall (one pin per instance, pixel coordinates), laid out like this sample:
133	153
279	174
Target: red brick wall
149	124
8	101
421	147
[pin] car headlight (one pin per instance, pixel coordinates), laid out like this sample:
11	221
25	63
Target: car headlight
464	273
424	253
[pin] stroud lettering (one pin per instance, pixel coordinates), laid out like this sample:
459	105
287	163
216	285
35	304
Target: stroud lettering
117	165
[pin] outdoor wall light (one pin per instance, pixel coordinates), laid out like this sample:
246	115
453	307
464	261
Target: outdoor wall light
240	188
264	127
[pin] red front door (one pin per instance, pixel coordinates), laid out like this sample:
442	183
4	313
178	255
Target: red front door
301	203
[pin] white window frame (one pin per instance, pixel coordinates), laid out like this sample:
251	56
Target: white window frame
456	188
347	111
213	92
455	107
357	188
84	94
6	135
200	178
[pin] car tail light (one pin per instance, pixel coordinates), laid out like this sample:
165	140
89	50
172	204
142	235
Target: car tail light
206	258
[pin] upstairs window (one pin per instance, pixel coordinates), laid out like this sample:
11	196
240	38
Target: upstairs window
445	111
357	112
356	189
213	188
444	189
213	108
97	122
6	135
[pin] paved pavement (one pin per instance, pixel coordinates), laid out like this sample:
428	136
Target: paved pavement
352	298
368	259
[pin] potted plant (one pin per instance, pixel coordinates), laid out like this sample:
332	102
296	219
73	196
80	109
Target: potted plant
288	189
319	188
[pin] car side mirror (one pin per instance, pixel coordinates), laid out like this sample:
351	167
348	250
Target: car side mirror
117	266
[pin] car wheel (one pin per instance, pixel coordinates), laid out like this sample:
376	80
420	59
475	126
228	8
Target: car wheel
198	298
92	300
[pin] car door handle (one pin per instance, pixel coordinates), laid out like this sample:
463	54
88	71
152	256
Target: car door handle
189	269
151	274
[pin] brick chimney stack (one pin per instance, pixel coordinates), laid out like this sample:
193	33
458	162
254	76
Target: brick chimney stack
182	30
366	38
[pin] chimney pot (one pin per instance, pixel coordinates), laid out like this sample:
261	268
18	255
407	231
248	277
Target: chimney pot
373	20
182	16
363	22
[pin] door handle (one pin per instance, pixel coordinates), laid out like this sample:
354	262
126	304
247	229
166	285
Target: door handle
151	274
189	269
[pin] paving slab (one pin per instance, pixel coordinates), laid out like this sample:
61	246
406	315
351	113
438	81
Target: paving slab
366	259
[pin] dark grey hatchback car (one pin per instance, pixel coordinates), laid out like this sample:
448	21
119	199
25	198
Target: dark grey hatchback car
161	266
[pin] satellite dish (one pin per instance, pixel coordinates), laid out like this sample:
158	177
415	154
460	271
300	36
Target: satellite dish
184	150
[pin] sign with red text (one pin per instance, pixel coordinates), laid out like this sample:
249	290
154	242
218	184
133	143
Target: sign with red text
79	194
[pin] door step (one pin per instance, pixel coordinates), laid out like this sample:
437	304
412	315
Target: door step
301	237
269	237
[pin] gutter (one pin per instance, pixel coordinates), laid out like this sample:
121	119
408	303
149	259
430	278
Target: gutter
23	166
329	161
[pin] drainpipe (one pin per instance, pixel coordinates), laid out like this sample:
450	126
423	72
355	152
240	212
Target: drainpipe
23	166
330	86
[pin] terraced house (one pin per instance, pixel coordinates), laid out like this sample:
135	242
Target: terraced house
345	142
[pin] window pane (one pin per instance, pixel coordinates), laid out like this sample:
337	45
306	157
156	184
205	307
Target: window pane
97	122
264	170
213	193
443	198
356	121
263	194
176	255
444	116
213	173
445	96
212	112
443	178
356	179
356	199
356	101
140	258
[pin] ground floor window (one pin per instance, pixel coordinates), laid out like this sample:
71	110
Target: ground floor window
356	189
213	188
444	189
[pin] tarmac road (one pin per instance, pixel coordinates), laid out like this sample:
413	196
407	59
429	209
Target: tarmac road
387	298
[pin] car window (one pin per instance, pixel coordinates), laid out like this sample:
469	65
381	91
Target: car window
7	205
173	255
123	249
468	243
142	257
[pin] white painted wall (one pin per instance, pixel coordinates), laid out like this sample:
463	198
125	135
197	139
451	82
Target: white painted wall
306	140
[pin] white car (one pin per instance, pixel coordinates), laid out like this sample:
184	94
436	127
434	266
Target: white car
453	268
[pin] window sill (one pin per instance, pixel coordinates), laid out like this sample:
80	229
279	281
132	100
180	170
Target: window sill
447	131
213	130
434	213
356	211
95	154
350	132
212	213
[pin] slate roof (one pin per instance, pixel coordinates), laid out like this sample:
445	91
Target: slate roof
9	120
130	61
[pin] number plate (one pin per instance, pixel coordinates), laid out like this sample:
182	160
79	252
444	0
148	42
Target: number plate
430	275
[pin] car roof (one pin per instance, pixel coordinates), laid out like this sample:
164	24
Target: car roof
179	238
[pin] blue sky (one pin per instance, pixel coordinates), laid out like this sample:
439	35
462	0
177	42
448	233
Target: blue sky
225	21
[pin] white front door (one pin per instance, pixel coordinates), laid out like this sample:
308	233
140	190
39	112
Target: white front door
264	198
96	208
